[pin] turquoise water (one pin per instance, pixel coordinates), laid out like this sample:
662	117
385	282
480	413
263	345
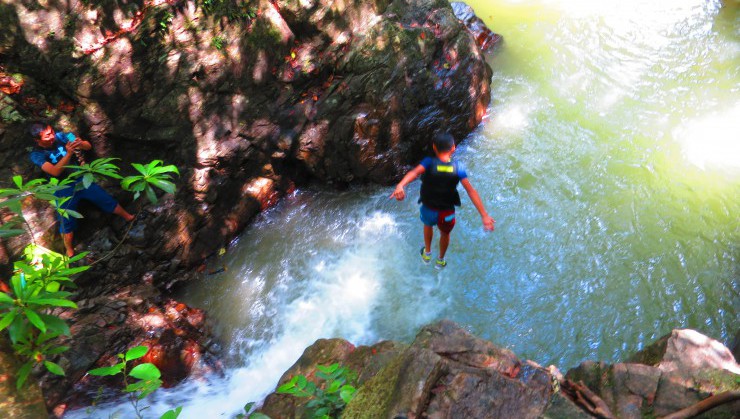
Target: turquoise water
610	160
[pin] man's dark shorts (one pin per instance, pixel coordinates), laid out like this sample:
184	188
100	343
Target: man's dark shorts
444	219
94	194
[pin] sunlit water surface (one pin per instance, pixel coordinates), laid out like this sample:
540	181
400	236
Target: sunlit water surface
611	161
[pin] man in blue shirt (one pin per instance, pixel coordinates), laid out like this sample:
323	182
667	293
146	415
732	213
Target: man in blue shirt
439	178
54	151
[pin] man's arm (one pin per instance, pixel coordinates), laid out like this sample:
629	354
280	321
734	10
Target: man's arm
488	222
57	169
414	173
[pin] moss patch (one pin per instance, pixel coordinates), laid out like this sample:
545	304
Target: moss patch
371	399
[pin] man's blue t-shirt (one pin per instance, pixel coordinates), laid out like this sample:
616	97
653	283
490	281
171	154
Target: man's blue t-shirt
39	155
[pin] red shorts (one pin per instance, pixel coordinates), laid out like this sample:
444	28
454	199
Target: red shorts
443	219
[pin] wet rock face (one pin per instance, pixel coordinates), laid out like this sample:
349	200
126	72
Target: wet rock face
285	91
106	325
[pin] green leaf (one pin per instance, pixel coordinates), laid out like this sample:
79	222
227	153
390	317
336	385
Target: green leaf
18	180
145	371
172	414
87	180
128	180
258	415
10	232
347	393
56	302
136	353
164	185
23	374
287	388
34	318
7	319
53	368
321	412
140	168
104	371
151	195
334	386
57	350
5	298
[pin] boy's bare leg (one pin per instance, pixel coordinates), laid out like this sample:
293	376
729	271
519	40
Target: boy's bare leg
67	239
119	211
428	234
444	241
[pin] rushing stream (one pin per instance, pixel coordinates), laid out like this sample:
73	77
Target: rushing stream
611	161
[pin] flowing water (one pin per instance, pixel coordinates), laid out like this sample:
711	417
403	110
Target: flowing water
610	159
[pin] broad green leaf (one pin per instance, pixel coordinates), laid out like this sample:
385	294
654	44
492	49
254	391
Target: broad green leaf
151	387
128	180
321	412
301	382
88	180
7	319
151	195
136	353
113	370
56	302
34	318
53	368
347	393
334	386
145	371
164	185
23	374
18	180
287	387
78	256
136	386
140	168
10	232
258	415
248	406
57	350
172	414
5	298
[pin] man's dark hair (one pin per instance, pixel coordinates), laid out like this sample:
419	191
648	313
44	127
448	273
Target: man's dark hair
443	142
36	128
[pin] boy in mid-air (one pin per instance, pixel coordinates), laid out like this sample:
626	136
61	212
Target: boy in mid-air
439	197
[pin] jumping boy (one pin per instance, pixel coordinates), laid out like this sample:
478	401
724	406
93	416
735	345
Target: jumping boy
439	197
53	152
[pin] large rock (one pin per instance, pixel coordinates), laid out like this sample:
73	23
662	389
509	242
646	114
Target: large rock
677	371
446	372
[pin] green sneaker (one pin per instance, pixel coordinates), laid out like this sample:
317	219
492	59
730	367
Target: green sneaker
425	257
440	264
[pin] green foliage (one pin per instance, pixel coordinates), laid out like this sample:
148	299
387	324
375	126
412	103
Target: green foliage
95	171
40	278
329	400
152	174
218	42
36	287
246	415
164	20
231	9
147	377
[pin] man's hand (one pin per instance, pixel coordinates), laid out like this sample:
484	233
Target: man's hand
73	145
398	193
489	224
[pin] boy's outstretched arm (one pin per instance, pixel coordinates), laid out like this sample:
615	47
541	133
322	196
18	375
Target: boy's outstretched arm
414	173
488	222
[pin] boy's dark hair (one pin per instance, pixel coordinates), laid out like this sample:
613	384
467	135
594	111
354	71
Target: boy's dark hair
443	142
36	128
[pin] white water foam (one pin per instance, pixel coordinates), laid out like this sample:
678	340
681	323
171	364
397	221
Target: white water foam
339	301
